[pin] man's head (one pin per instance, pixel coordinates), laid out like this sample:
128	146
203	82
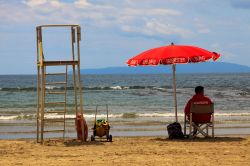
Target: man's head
199	90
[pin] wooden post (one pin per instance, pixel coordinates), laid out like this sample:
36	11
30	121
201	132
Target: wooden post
78	67
74	70
65	99
79	75
96	109
38	87
42	104
107	109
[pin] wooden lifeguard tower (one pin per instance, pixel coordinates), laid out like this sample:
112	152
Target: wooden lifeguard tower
44	106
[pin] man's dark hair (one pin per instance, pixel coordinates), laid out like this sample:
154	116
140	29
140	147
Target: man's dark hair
199	89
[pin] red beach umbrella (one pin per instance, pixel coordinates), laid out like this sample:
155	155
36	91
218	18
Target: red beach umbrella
172	55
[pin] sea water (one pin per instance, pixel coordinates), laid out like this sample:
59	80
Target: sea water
137	104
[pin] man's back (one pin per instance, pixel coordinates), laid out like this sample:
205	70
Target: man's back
198	99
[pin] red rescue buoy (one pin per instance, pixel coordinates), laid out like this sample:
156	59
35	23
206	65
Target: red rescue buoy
81	127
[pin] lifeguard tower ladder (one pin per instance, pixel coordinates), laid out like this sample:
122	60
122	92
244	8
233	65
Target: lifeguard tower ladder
44	106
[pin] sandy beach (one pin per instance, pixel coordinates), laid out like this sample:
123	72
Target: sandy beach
128	151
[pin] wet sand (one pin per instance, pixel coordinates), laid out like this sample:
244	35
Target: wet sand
15	129
128	151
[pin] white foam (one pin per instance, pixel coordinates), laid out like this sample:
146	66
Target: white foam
50	87
159	114
90	116
158	88
72	116
233	114
116	87
8	117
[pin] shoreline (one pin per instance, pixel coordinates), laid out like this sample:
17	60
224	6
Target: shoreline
28	130
128	151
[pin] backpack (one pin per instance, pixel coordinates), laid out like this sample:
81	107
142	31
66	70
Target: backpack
174	131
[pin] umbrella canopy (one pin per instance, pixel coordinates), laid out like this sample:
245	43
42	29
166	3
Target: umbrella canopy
171	55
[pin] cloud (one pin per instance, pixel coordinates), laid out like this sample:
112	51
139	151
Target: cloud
129	25
151	22
43	3
202	28
61	12
82	3
44	6
34	3
156	27
151	12
243	4
13	14
146	19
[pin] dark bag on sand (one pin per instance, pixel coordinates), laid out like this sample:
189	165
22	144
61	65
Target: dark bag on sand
174	131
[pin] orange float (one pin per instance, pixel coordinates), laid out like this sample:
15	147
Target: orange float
81	127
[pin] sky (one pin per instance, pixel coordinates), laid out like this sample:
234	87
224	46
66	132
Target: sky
115	30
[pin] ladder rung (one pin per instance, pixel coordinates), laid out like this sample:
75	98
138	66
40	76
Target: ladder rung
55	103
51	92
50	131
52	74
55	112
54	120
59	120
53	83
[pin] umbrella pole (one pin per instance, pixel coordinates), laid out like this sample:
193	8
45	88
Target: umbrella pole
174	91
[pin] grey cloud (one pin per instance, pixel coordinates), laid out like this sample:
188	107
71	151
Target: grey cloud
243	4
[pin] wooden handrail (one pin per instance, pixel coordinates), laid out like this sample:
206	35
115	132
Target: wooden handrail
59	25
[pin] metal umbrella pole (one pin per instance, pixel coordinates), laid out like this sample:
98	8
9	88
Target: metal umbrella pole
174	92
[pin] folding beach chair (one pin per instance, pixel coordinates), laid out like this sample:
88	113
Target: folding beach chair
200	127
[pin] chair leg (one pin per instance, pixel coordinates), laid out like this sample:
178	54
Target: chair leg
213	125
190	126
205	134
207	130
185	124
195	130
201	129
213	130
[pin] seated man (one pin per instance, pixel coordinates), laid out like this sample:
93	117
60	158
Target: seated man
198	98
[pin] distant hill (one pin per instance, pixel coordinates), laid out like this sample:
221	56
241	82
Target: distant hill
208	67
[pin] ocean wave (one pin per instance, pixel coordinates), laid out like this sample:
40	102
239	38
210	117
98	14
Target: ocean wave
162	89
116	87
14	89
18	89
233	114
123	115
8	117
51	87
